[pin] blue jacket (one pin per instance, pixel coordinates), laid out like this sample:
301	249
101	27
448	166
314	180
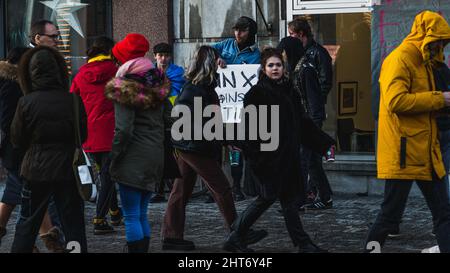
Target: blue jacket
229	51
175	74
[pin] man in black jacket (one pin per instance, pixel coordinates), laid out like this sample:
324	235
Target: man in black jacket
313	79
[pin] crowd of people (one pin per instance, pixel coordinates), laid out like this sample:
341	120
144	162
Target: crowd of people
125	123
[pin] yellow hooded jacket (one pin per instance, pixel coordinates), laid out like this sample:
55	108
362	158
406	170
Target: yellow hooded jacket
408	146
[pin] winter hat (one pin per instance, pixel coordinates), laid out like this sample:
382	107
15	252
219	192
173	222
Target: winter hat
133	46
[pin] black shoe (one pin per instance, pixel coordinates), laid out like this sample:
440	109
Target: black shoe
158	198
234	244
138	246
177	244
394	234
311	248
209	199
116	217
318	204
254	236
2	234
102	227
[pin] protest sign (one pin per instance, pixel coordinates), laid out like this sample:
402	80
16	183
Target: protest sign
234	83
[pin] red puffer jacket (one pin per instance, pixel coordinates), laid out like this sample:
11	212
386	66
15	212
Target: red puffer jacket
90	83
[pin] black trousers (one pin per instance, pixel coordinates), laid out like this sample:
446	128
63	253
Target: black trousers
395	197
35	200
107	196
312	166
290	212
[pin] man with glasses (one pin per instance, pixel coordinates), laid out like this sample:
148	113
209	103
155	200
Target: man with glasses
44	33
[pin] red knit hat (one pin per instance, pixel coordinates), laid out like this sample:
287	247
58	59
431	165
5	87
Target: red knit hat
133	46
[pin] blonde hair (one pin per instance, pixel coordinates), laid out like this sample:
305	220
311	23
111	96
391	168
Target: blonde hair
203	67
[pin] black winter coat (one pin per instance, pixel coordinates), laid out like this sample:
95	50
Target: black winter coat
279	171
10	94
43	124
208	96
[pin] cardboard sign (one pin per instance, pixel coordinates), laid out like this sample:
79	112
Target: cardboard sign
234	82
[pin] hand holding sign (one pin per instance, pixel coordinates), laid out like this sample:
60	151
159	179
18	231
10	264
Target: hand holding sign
234	82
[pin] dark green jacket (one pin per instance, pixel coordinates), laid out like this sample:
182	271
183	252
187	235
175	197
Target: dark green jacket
138	144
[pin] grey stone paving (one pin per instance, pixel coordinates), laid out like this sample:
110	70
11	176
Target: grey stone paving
341	229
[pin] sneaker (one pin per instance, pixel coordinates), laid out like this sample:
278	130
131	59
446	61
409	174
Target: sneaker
434	249
177	244
52	241
102	227
318	204
2	234
116	217
311	248
330	155
158	198
395	234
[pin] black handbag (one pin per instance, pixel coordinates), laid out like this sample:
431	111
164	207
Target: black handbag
82	167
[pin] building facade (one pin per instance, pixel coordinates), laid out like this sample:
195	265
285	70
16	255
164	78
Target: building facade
358	34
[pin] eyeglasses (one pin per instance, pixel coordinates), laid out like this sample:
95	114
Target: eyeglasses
276	64
53	36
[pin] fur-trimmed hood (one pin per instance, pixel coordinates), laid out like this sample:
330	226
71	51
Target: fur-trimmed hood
140	86
8	71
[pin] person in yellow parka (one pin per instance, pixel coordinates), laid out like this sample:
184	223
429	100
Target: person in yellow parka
408	147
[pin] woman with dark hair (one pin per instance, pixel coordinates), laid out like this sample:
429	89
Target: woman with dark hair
278	171
198	156
90	84
43	127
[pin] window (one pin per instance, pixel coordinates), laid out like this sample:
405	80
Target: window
79	23
330	6
347	37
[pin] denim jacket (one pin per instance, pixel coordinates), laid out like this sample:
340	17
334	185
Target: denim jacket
229	51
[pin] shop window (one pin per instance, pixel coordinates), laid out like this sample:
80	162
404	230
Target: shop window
347	37
79	23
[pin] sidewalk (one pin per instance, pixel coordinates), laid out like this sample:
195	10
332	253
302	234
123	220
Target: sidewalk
341	229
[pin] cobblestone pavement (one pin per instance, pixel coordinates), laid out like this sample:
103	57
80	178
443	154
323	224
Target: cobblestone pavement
341	229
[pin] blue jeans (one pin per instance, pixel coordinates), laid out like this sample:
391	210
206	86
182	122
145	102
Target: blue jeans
13	190
134	206
445	150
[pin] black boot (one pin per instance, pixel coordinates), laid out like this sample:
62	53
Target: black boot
146	244
235	243
137	246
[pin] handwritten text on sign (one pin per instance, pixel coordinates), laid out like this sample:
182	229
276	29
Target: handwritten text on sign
234	82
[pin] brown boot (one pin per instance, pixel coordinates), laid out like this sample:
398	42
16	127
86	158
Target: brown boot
52	241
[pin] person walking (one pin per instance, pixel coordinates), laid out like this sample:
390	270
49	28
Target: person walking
89	84
43	126
278	170
408	148
142	114
198	156
10	93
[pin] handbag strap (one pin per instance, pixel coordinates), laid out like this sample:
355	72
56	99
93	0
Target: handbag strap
76	112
